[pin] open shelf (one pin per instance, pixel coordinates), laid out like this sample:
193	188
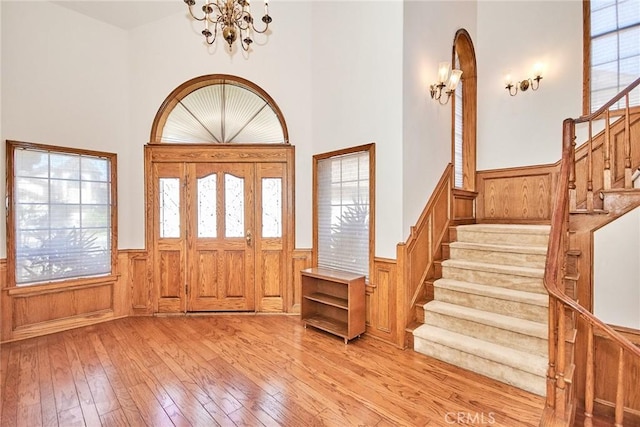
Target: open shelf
333	301
329	300
328	324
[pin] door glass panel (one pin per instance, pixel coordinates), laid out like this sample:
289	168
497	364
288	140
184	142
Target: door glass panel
207	206
169	189
234	206
271	207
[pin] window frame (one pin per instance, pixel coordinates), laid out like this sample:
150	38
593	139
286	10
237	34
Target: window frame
11	148
463	47
370	149
186	88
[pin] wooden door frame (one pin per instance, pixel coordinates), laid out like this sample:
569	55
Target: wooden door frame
253	153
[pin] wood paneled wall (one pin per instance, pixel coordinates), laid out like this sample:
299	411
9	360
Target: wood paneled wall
606	362
139	282
301	261
34	311
417	256
516	195
30	311
380	300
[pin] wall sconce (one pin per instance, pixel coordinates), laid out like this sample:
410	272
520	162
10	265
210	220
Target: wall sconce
524	85
447	78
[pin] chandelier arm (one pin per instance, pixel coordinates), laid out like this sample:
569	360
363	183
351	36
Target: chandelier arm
232	17
258	31
195	17
241	19
215	33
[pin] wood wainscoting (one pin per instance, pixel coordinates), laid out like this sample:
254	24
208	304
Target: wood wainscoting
30	311
380	297
301	261
516	195
139	282
380	300
39	310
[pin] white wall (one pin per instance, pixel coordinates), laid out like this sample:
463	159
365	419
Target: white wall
64	82
429	29
93	85
526	129
339	82
616	271
168	52
357	97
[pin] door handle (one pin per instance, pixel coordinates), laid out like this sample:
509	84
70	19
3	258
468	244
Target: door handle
249	237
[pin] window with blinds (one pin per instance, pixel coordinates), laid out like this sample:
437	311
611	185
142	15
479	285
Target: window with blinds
343	193
61	214
457	131
614	50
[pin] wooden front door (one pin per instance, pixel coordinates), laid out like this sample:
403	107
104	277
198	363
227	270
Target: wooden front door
204	248
220	228
220	231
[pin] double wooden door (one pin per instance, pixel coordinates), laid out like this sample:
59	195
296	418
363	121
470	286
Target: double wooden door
218	236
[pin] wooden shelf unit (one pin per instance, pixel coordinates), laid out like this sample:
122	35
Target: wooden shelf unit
333	301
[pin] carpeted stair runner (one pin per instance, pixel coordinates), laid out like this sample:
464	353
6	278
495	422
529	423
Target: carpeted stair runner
490	310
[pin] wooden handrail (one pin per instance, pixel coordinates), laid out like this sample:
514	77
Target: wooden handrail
608	105
554	278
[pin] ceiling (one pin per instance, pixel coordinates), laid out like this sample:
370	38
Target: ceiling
125	14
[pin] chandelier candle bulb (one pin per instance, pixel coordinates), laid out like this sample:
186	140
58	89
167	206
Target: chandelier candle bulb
443	71
508	80
537	70
454	79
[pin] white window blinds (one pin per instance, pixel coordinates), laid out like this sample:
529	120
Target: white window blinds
457	132
62	219
343	212
615	49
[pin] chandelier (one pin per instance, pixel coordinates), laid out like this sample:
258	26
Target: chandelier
232	17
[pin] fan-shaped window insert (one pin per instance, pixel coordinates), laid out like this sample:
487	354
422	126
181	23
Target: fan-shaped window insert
219	109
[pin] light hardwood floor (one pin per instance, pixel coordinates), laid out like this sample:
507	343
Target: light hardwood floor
241	370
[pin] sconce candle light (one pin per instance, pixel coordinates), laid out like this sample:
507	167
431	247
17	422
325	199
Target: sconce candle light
448	79
524	85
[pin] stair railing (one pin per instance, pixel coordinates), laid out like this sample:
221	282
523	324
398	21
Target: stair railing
562	308
602	155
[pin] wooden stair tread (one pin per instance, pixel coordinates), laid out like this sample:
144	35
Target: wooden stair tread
413	326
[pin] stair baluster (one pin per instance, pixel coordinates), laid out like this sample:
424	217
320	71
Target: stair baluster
627	146
590	170
620	389
573	192
561	398
590	383
606	178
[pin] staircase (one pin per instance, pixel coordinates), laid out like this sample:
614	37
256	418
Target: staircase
490	308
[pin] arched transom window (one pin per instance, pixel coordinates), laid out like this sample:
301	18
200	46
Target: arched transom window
219	109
